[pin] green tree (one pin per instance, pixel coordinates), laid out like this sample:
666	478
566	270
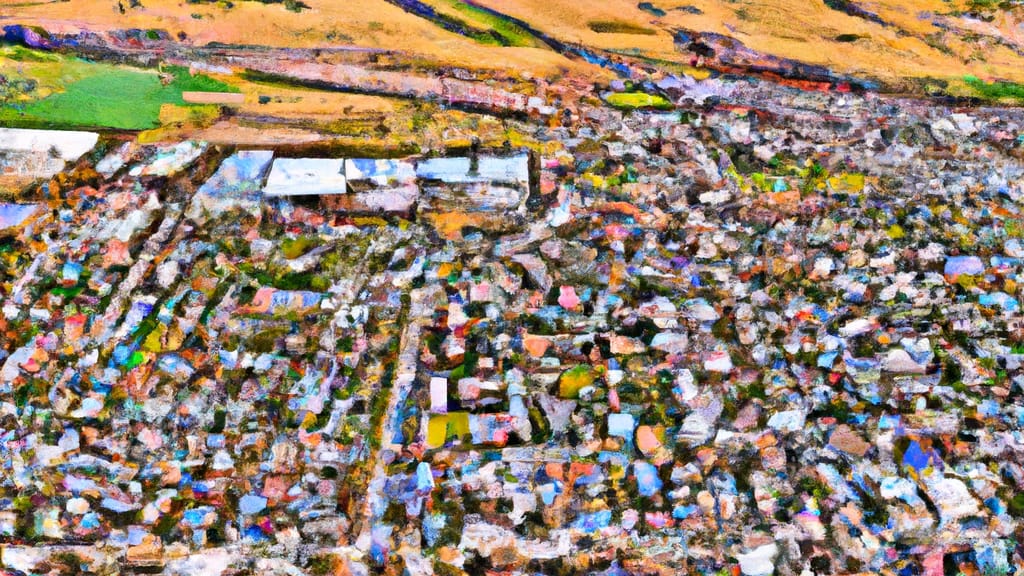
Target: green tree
14	90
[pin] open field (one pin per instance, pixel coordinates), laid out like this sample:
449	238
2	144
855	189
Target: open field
916	46
375	24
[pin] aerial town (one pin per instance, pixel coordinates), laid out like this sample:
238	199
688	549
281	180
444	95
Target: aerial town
751	325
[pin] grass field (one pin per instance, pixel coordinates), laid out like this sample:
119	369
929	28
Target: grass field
70	92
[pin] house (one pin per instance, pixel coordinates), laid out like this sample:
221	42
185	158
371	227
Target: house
235	185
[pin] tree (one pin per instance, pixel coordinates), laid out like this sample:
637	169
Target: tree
14	90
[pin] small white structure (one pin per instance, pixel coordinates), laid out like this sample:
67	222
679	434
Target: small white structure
306	177
439	395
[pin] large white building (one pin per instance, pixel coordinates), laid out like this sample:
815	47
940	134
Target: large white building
306	177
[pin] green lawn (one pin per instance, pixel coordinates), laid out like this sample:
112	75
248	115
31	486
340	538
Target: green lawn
82	94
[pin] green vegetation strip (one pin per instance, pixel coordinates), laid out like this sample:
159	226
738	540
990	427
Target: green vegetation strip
512	34
631	100
996	90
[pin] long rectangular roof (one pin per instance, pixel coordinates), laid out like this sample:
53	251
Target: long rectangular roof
505	170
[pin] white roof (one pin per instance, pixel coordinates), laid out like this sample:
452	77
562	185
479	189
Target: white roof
306	176
166	161
69	144
379	171
14	215
438	395
511	169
